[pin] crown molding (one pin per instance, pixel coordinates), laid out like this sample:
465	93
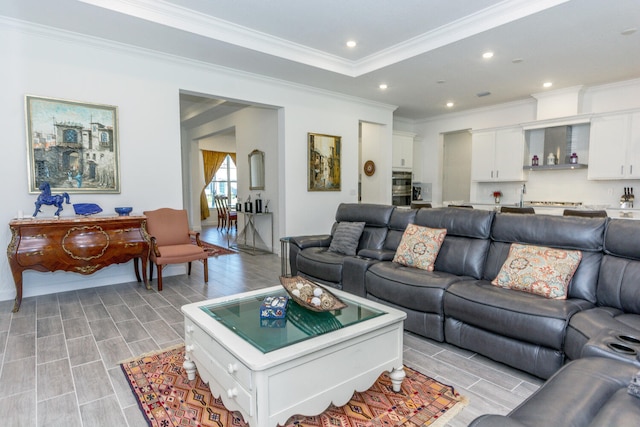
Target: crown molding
170	15
483	20
184	19
50	33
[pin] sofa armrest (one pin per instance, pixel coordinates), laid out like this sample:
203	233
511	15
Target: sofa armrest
302	242
495	421
379	254
354	270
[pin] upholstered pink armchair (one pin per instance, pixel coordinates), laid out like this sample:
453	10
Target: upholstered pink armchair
171	241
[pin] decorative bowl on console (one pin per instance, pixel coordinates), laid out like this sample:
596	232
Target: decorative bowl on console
124	210
86	209
311	295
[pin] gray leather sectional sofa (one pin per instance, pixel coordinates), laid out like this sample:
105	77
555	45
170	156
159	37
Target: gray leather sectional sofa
457	303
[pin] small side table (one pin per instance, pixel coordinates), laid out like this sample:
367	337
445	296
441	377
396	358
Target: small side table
284	256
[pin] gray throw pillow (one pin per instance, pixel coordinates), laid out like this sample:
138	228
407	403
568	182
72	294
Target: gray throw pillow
346	238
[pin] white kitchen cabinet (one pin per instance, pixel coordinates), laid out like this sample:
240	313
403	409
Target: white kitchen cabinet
402	153
614	151
497	155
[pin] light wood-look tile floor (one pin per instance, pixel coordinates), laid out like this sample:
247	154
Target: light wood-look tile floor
60	352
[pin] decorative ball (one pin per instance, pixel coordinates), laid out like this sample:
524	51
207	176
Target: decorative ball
316	301
296	292
317	292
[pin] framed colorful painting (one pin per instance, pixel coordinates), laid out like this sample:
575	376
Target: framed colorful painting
324	162
72	145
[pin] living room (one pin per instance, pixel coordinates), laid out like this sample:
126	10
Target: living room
160	163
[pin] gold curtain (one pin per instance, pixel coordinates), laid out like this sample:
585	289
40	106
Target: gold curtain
212	161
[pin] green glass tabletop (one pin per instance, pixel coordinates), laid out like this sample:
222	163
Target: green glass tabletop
242	316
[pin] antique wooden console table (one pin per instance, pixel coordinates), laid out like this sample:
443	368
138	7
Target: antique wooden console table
80	244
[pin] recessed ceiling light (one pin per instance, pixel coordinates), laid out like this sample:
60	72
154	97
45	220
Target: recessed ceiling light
487	55
383	86
547	84
449	104
628	31
481	94
352	43
517	60
441	81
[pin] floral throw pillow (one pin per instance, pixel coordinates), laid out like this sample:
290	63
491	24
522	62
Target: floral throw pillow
538	270
419	246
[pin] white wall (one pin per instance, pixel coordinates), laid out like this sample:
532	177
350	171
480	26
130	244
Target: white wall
430	136
145	86
547	185
375	146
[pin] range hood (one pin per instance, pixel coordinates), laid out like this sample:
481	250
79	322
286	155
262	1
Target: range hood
557	140
560	140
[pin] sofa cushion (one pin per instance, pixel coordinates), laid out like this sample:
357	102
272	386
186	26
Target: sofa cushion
466	244
585	393
320	263
419	246
398	222
409	287
346	237
520	315
584	234
538	270
376	218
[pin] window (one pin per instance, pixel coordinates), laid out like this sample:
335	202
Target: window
70	135
224	183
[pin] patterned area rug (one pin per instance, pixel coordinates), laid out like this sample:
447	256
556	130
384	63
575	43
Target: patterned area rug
215	250
167	399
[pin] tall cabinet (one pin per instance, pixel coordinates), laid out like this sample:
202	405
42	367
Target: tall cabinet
402	152
496	155
614	151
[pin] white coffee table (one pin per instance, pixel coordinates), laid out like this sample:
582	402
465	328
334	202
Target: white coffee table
270	370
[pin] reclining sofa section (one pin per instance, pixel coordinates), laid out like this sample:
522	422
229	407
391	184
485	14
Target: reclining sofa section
456	302
617	310
419	292
520	329
310	256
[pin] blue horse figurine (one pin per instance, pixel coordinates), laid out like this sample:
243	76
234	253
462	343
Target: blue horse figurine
45	198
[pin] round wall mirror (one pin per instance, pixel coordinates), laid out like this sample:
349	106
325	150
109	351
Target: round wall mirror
256	170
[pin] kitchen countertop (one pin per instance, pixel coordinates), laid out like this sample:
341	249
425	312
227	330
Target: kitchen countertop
550	209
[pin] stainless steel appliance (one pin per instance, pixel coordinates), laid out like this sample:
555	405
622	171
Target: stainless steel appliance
401	188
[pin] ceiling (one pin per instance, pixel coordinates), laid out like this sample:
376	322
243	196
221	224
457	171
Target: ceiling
428	52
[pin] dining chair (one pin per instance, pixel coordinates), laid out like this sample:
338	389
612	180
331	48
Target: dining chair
220	208
231	216
585	213
171	242
512	209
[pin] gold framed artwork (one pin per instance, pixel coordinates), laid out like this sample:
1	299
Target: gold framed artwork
323	162
72	145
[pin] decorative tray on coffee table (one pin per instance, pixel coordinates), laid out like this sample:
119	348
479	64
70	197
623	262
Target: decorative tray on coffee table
311	295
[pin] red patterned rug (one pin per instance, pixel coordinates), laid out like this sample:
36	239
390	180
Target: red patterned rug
215	250
168	399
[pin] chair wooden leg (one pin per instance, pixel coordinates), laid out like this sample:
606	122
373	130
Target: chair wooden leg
150	270
189	268
160	278
206	270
